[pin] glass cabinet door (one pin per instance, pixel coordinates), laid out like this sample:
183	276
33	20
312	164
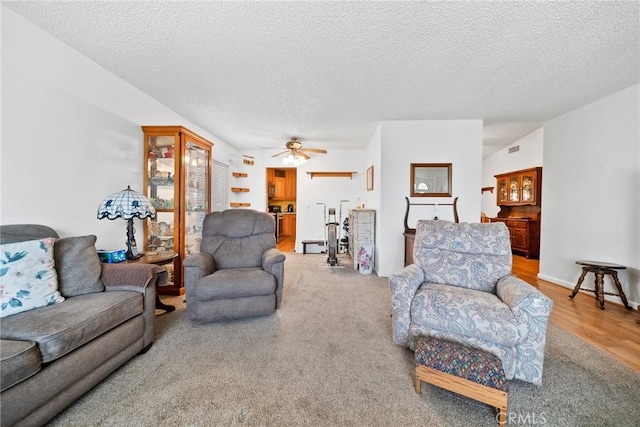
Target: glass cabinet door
502	191
162	191
514	189
528	188
197	194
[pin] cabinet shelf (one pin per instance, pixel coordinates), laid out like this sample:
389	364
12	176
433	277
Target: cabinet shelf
332	174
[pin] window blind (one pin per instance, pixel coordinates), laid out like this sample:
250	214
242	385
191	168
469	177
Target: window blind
219	186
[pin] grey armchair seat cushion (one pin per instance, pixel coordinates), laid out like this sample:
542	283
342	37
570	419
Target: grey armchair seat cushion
235	283
238	272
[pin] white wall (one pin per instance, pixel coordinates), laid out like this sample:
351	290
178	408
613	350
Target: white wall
70	134
424	141
310	217
591	191
529	156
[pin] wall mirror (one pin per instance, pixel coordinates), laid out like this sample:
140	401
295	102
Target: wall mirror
430	179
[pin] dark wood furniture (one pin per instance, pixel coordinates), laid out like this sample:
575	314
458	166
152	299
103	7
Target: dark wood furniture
410	233
525	235
519	195
600	269
158	258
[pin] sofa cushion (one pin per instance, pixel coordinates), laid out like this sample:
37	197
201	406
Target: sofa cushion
28	277
465	312
18	361
235	283
61	328
78	266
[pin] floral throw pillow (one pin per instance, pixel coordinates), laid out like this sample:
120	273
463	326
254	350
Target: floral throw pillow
28	277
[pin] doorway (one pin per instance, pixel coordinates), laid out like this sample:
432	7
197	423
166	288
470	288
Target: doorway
281	193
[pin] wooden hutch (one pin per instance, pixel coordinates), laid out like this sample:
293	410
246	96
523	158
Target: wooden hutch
519	198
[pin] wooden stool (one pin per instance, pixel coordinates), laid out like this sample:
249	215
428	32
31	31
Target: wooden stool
600	269
464	370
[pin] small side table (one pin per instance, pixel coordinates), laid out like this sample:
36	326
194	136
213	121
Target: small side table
159	258
600	269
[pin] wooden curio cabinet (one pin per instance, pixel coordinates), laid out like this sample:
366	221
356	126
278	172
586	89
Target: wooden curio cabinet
519	199
177	181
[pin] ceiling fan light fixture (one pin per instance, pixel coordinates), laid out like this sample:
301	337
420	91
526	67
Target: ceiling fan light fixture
293	160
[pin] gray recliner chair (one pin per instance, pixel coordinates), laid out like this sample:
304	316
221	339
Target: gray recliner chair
238	272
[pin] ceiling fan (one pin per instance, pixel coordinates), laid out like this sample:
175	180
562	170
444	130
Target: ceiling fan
297	154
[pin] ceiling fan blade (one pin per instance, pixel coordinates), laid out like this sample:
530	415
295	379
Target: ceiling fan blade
279	154
303	154
315	150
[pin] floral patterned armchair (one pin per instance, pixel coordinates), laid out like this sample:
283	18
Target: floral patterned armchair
460	288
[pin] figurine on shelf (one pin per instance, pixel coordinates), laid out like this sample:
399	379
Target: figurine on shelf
167	153
169	178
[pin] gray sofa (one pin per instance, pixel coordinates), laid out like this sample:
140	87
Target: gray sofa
52	355
238	271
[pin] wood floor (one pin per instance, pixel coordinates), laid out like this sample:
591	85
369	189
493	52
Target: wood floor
613	330
287	244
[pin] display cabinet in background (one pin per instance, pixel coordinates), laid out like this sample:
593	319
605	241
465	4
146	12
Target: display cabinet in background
177	181
519	198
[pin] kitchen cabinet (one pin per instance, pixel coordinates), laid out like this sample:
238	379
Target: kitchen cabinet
281	184
290	184
276	181
177	181
280	188
289	225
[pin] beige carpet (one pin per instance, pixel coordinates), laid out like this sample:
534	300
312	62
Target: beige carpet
327	359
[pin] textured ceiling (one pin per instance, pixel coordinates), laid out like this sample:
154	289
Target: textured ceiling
256	73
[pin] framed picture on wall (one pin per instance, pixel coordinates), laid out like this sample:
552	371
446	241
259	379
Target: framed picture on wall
370	179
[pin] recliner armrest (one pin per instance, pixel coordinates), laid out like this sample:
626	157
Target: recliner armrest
270	257
132	277
198	265
404	285
521	296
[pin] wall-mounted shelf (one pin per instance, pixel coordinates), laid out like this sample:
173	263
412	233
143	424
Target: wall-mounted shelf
239	190
332	174
240	174
487	189
239	205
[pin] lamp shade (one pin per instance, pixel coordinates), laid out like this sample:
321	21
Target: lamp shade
126	204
